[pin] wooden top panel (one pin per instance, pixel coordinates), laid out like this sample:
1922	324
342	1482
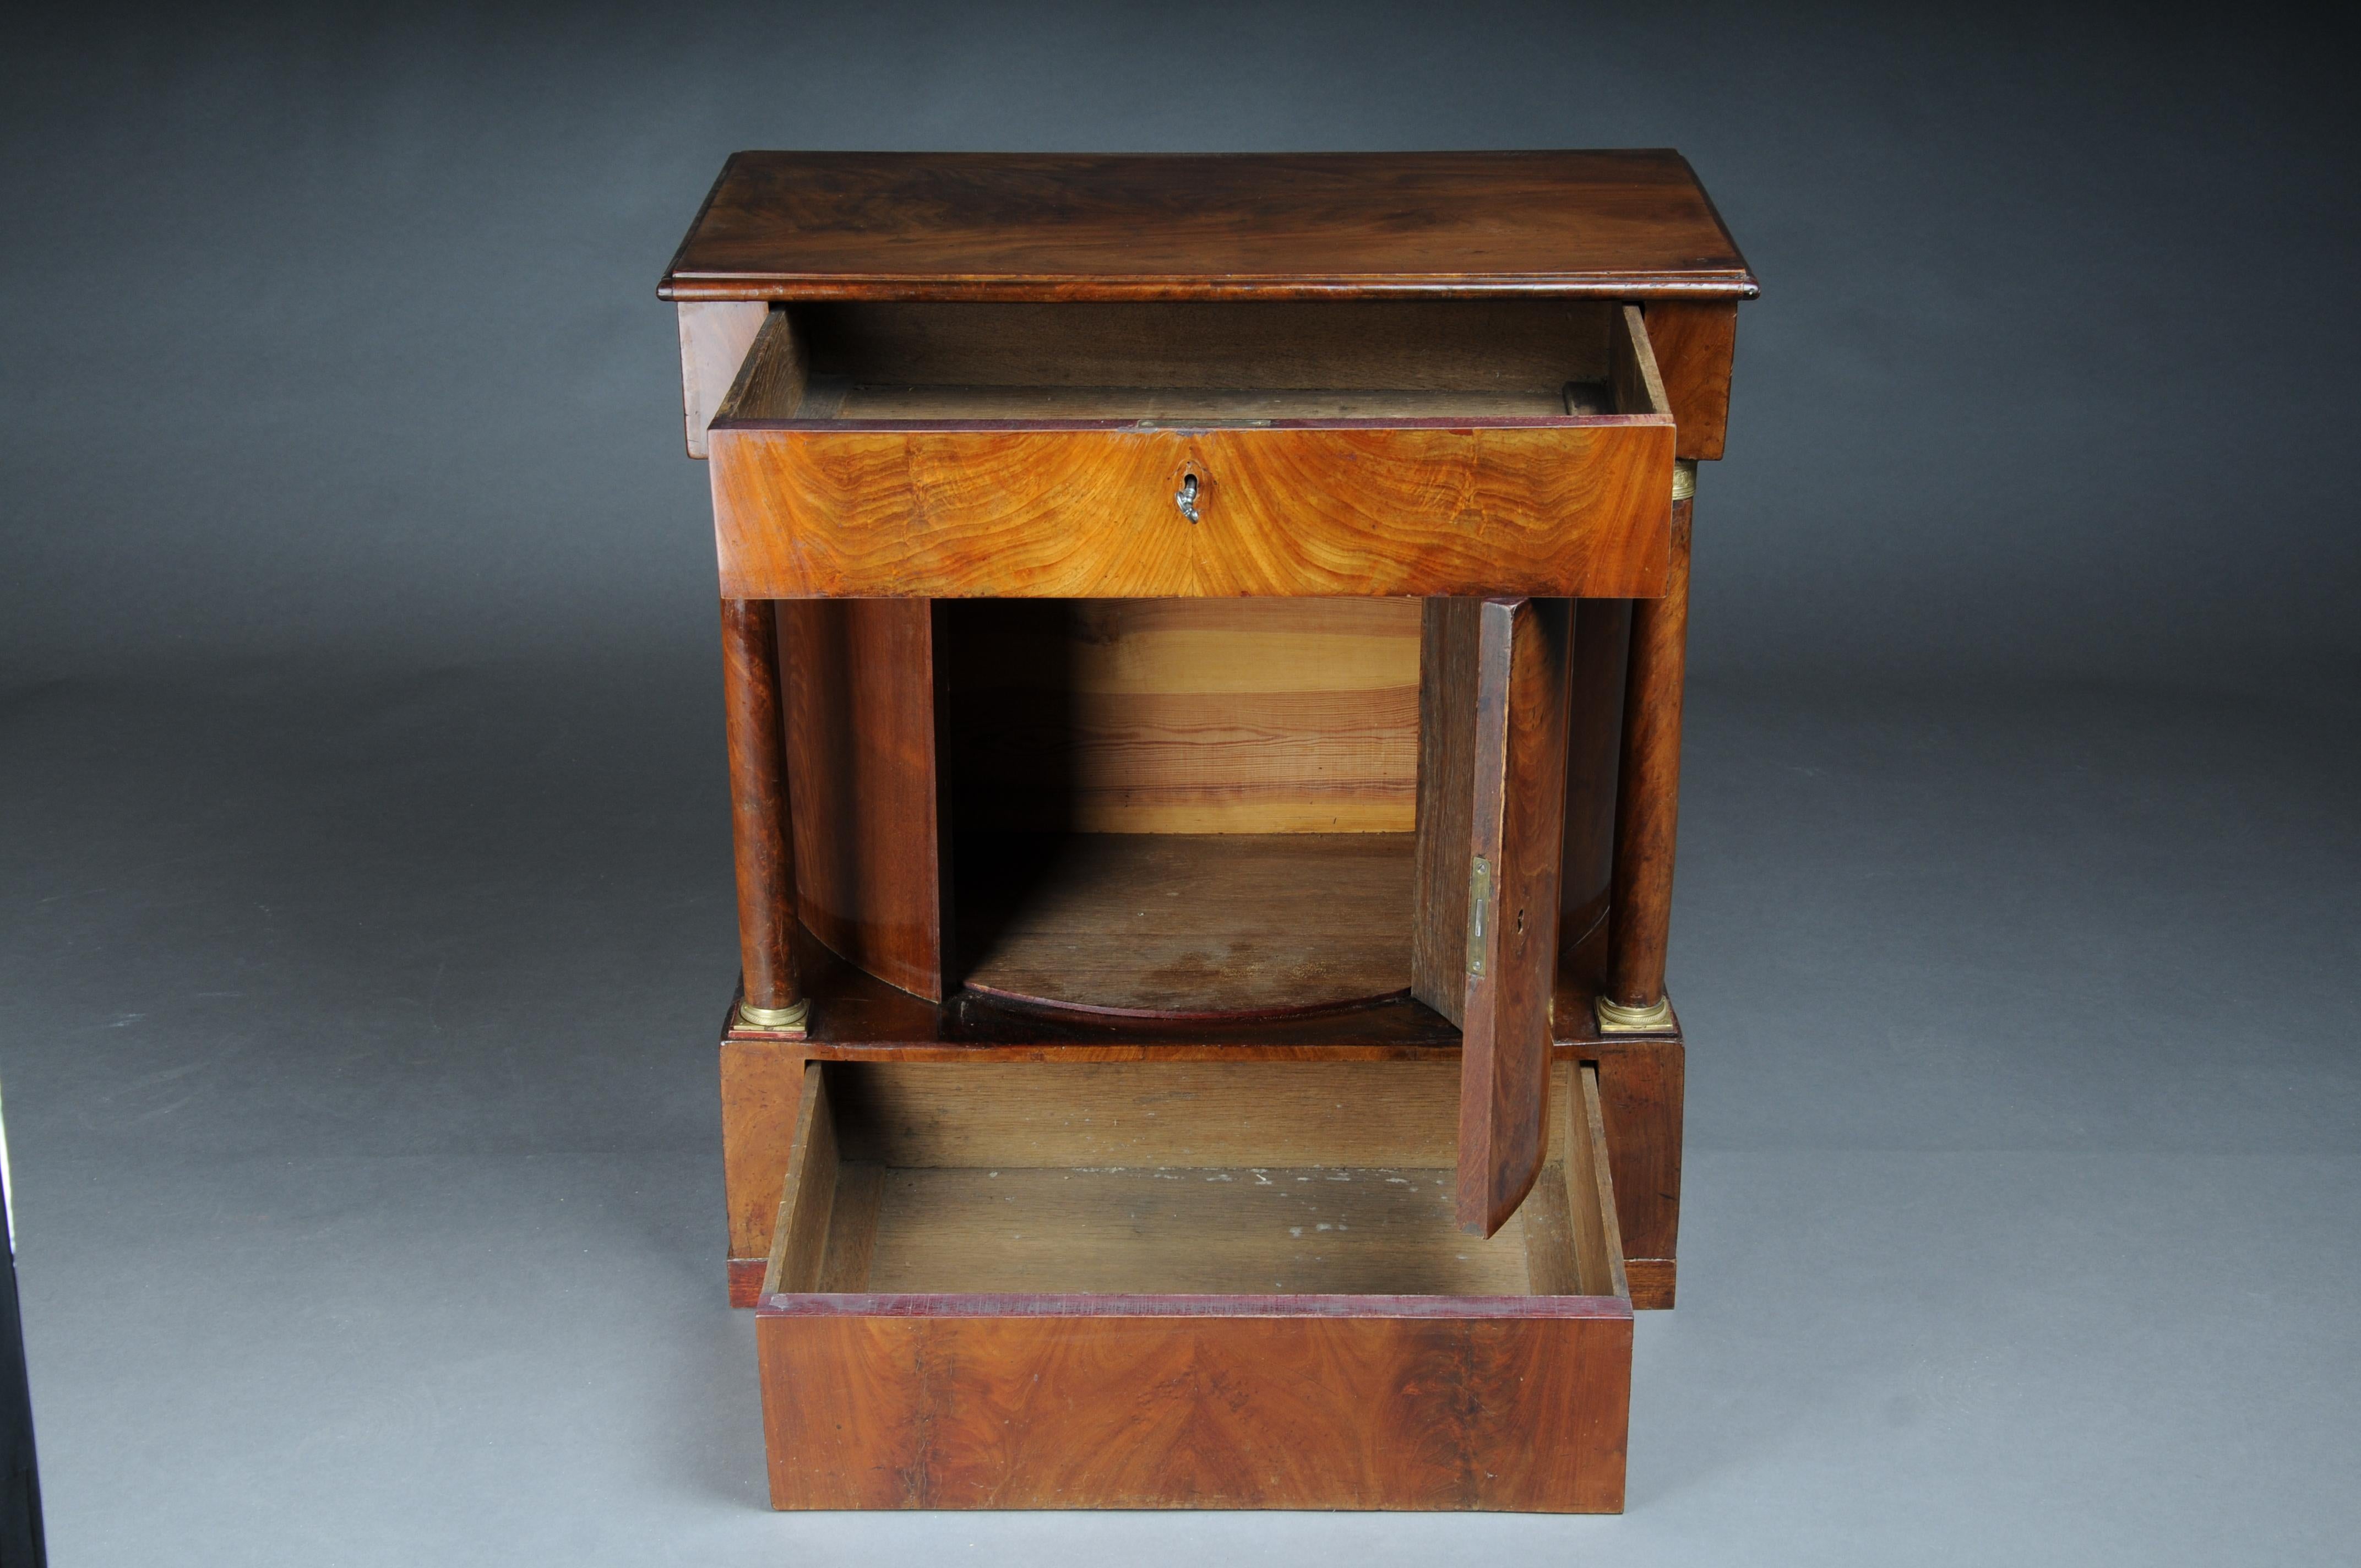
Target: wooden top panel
886	225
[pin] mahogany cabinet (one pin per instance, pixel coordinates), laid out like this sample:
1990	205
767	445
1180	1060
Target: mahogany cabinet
1203	650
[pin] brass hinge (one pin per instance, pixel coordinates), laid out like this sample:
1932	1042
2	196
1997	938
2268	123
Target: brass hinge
1479	912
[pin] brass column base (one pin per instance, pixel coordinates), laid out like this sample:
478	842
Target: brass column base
1615	1018
775	1020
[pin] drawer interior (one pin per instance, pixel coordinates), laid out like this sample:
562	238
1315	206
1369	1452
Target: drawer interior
1190	363
1172	1179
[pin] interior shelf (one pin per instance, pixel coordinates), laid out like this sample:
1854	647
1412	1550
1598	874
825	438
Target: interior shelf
1167	925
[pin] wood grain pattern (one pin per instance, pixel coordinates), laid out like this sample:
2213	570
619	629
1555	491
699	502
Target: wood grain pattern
1451	632
1654	1283
1633	381
1640	1091
761	1090
1184	716
1519	799
821	508
1215	1113
856	1015
1696	342
714	338
1640	1088
745	1280
775	375
808	1192
1069	490
1527	347
1169	1178
1618	225
874	1028
853	1228
1602	646
1591	1189
1546	1222
1127	1408
1187	924
1035	1336
1024	404
758	803
1648	798
872	856
1334	1230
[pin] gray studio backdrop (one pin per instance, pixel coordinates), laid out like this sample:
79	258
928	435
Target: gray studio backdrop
337	333
364	892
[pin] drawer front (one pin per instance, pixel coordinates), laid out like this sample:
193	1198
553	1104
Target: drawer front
1337	1402
1557	508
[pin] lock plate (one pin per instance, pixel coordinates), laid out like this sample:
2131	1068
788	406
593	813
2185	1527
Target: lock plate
1479	913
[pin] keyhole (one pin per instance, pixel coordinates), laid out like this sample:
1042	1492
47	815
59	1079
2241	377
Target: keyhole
1185	497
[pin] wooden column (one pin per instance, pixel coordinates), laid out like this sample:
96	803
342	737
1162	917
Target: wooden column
1647	807
773	999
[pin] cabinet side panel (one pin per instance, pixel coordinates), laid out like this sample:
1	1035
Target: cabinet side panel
1694	343
714	338
1640	1092
762	1091
860	755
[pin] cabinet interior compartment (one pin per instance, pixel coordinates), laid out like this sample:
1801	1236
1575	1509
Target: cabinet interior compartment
1203	1178
1174	808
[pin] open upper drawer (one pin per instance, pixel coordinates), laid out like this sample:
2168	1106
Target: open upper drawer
1149	450
1184	1284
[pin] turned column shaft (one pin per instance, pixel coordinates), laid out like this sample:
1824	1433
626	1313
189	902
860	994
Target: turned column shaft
1647	807
757	815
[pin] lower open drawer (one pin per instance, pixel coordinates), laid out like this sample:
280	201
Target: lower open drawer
1184	1285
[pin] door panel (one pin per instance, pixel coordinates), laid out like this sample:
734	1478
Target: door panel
1494	690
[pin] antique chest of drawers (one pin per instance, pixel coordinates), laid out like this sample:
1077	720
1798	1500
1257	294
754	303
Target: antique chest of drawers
1203	650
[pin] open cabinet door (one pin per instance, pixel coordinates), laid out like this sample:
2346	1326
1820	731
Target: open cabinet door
1493	680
